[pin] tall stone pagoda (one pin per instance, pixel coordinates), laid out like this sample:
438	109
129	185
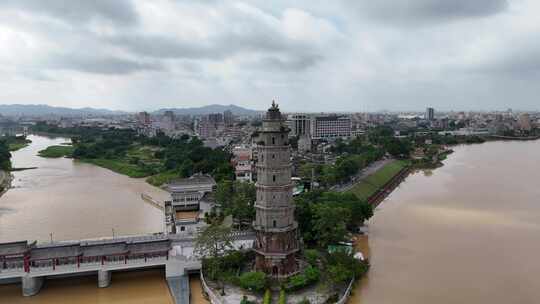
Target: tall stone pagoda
276	229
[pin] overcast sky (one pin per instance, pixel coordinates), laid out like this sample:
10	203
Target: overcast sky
354	55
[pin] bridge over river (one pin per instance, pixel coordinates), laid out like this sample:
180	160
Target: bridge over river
31	263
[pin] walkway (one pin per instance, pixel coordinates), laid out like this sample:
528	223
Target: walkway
362	174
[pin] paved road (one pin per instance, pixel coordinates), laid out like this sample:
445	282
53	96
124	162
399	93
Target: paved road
362	174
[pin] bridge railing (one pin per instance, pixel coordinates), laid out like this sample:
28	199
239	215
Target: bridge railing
118	262
214	298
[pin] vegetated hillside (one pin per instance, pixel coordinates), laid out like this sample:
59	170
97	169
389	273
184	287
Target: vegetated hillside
41	109
209	109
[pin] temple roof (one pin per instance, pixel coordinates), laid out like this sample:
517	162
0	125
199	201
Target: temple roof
194	180
55	252
149	246
105	249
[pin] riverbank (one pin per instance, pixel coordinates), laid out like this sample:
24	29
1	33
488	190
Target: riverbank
5	181
57	151
460	226
371	187
118	166
15	143
139	161
518	138
68	196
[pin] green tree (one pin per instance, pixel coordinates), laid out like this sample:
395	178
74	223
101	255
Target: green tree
213	241
237	199
253	281
312	256
211	245
5	156
329	224
342	267
224	194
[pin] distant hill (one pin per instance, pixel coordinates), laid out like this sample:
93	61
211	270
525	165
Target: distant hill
40	110
215	108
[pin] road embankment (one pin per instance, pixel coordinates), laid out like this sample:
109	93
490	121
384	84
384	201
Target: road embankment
375	187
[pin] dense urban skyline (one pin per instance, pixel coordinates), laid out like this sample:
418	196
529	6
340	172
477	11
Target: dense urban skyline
354	56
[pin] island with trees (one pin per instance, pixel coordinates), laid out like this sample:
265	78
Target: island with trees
160	159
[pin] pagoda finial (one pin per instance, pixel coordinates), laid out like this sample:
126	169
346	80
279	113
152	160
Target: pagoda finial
274	105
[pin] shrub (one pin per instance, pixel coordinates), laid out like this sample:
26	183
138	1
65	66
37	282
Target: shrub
312	274
253	281
342	267
282	297
312	256
296	282
309	276
246	301
267	297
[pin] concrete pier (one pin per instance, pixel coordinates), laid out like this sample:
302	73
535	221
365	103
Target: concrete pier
31	285
179	288
104	278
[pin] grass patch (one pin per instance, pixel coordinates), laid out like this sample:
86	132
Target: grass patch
17	143
119	166
57	151
17	146
143	154
370	185
162	178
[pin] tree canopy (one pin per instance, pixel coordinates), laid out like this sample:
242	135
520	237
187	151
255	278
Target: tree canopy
325	217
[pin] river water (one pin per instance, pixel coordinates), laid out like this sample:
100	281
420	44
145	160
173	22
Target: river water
74	200
468	232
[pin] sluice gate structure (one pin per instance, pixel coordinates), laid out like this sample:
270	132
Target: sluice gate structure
31	263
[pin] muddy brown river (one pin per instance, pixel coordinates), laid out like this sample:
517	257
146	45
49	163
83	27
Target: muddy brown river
468	232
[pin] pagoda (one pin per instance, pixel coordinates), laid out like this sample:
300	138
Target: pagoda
276	230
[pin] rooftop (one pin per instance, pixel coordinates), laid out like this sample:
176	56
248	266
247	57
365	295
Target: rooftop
106	249
85	249
194	180
14	248
55	252
149	246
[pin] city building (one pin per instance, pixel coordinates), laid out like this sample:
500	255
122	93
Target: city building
430	114
524	122
143	118
210	125
242	161
330	126
228	118
300	124
276	230
190	199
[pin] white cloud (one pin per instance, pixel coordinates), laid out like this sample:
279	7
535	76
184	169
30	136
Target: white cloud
341	55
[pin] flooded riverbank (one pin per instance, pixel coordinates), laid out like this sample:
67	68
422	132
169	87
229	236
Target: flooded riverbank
463	233
73	200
